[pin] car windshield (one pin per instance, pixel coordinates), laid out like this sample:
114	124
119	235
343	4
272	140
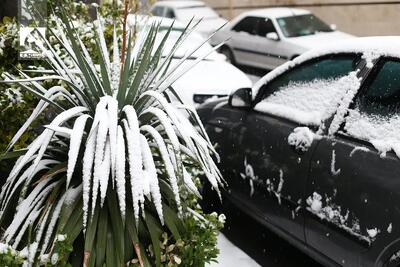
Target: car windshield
199	12
302	25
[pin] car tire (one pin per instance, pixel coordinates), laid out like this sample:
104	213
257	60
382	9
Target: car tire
227	52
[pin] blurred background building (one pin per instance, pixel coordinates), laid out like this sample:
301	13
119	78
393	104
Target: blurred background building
359	17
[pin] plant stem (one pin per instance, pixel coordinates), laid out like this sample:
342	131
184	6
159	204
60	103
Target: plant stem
139	255
124	22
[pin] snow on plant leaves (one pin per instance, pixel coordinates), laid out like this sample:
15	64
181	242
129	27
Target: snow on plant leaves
111	127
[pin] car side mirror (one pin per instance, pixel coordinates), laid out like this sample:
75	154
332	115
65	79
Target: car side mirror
241	98
272	36
333	27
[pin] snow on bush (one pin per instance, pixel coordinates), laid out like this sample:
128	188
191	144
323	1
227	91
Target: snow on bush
116	155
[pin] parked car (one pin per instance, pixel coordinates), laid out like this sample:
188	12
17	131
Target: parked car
184	11
312	151
266	38
212	77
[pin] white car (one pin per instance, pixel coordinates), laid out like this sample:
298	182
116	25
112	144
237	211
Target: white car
267	38
211	77
184	11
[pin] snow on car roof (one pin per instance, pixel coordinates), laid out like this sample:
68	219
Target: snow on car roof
276	12
382	45
369	46
180	4
164	22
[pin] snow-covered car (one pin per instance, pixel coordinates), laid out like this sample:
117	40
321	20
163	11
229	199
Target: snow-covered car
313	151
185	11
266	38
211	77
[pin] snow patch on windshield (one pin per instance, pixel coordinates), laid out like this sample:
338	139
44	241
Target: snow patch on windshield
381	132
307	103
368	45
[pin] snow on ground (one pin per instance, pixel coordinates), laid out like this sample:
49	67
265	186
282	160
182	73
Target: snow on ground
230	255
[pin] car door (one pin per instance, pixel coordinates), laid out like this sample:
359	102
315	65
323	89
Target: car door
353	204
271	51
242	41
265	171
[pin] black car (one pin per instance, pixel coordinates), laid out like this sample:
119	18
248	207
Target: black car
312	151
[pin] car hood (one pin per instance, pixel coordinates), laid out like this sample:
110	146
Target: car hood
207	26
211	78
318	40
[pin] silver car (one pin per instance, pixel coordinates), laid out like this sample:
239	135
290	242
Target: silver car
267	38
185	11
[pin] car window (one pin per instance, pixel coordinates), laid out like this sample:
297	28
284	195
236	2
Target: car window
265	26
169	13
309	93
248	24
295	26
375	116
158	11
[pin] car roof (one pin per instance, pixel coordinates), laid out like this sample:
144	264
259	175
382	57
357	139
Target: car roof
164	22
377	45
180	4
370	47
277	12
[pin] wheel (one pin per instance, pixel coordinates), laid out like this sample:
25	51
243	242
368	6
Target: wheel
229	54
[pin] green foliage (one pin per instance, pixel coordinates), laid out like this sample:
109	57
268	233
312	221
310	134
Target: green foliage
198	243
62	248
201	239
110	239
15	104
10	258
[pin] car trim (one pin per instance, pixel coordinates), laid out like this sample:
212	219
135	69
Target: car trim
339	229
299	244
260	53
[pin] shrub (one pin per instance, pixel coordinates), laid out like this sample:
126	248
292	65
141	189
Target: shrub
75	179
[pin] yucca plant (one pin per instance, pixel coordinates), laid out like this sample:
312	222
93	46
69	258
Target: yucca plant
111	168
